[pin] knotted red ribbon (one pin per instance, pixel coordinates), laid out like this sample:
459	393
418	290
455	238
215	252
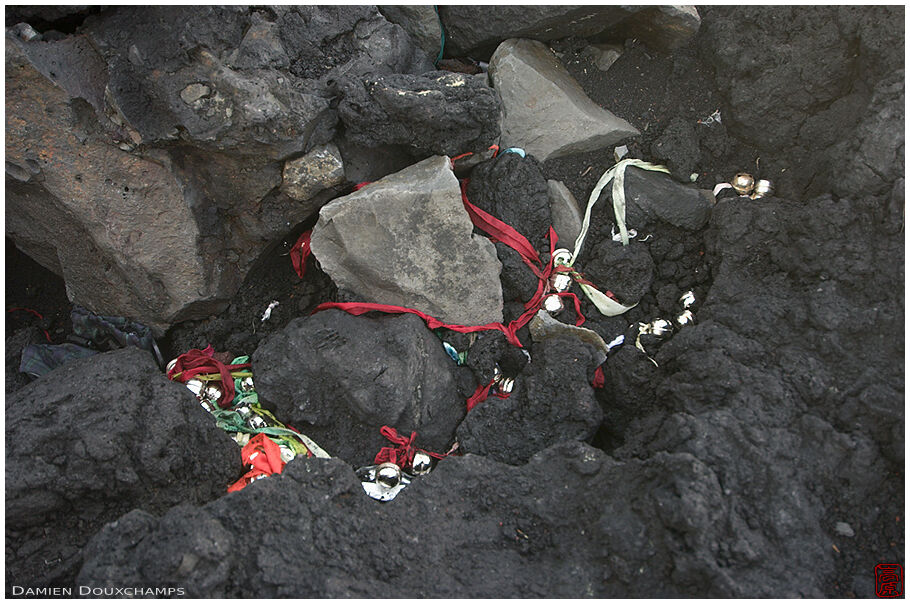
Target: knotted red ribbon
402	454
300	252
264	455
195	362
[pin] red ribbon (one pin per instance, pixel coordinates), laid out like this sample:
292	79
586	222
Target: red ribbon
402	454
300	252
195	362
37	314
264	457
482	393
598	378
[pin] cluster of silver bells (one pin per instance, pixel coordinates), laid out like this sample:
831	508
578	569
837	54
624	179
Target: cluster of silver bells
502	383
386	480
559	282
746	186
662	328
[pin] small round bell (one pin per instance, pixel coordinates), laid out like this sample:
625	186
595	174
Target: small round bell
388	475
743	183
170	366
762	189
506	385
661	327
561	256
687	299
685	318
553	304
246	384
560	282
213	392
422	463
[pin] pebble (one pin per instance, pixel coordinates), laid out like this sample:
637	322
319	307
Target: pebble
843	529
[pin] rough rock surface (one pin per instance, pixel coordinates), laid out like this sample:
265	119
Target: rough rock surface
420	21
552	401
439	112
444	270
183	114
625	270
566	213
512	188
544	327
477	30
340	378
320	169
89	442
546	112
677	148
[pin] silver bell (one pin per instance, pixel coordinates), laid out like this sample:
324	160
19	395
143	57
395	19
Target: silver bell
661	327
388	475
506	385
687	299
213	392
553	304
762	189
685	318
196	387
743	183
561	257
246	384
560	282
170	366
421	464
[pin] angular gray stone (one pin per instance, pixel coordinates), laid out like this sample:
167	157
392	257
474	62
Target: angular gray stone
340	378
566	213
407	240
420	21
843	529
546	112
476	30
544	327
603	55
316	171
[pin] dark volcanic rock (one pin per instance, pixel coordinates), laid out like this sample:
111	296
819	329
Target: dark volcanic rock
677	148
92	440
552	401
476	30
348	376
572	523
625	270
513	189
440	112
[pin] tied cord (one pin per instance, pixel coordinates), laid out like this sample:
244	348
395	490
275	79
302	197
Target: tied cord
402	454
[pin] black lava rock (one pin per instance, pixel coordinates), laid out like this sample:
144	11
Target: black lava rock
339	378
625	270
438	112
90	441
677	147
552	401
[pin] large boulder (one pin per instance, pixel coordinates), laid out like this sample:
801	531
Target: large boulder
420	21
90	441
407	240
436	113
477	30
145	152
546	112
340	378
552	401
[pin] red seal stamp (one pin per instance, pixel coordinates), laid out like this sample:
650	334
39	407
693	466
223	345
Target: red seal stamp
889	580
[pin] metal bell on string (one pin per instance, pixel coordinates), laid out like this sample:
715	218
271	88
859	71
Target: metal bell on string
388	475
246	384
685	318
421	464
762	188
660	328
743	183
687	299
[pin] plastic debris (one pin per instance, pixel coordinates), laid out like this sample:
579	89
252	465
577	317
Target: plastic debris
268	311
712	119
617	341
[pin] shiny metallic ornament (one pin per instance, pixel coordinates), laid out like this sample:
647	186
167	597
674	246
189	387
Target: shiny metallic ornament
421	464
388	475
763	188
553	304
560	282
196	387
287	454
661	328
685	318
687	299
506	385
213	392
561	257
246	384
743	183
170	365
